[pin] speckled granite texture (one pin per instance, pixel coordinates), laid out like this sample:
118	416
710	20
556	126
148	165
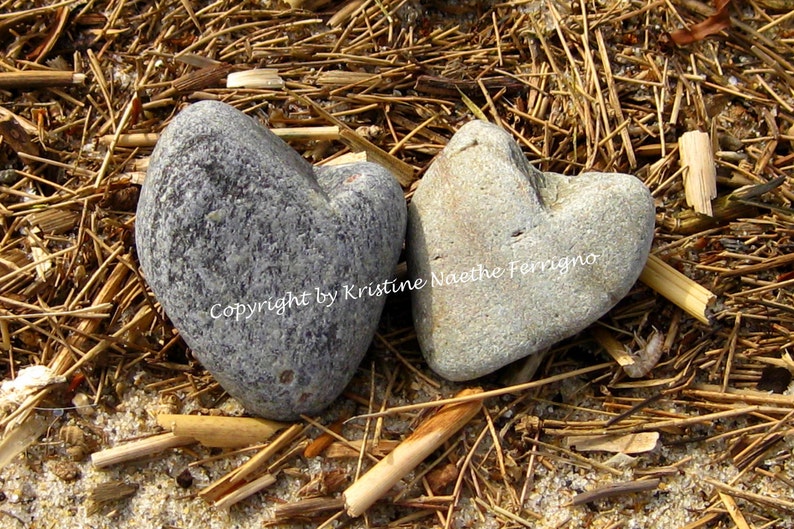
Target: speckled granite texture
516	259
244	244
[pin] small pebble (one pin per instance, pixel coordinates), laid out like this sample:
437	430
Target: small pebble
9	177
65	470
185	479
515	259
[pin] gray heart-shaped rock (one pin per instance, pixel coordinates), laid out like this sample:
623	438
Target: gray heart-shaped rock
257	257
515	259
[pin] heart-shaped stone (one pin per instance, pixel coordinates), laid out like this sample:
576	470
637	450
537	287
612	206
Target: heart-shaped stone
516	259
258	258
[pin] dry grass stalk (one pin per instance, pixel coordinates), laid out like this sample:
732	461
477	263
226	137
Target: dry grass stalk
766	264
349	10
64	359
472	397
138	449
260	459
757	451
29	80
700	174
712	392
574	458
342	78
198	80
678	288
776	503
138	139
308	133
220	432
310	5
504	513
676	424
426	439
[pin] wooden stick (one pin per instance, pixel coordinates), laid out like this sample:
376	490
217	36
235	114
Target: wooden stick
39	79
15	135
18	439
700	178
766	264
223	486
403	172
345	12
221	432
308	133
733	510
267	453
613	347
138	139
138	449
196	80
635	443
53	221
678	288
425	440
324	440
723	209
616	489
309	5
246	490
349	157
480	396
149	139
340	450
713	392
306	507
26	124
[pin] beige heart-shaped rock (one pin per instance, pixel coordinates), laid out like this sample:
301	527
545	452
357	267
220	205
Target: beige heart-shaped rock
514	259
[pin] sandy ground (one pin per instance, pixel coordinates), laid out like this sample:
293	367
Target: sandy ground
34	496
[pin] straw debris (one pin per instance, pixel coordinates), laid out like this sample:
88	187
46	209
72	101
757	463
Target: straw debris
87	88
